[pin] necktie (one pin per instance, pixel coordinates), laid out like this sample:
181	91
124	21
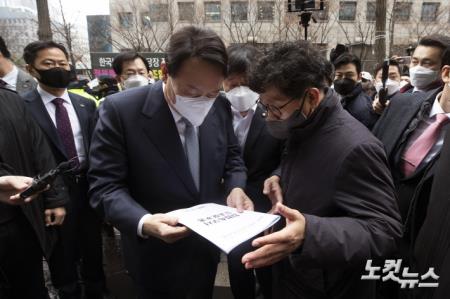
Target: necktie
64	128
419	149
191	148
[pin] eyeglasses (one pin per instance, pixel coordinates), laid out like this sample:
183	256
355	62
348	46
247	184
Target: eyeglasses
274	110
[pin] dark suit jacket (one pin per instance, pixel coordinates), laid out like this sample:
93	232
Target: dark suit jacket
262	154
396	124
24	151
336	174
359	105
432	248
138	166
85	110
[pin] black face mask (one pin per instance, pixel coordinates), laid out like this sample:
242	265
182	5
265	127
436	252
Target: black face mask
344	86
56	77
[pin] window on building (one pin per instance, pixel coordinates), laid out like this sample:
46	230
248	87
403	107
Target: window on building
370	12
145	19
322	15
347	11
186	11
265	10
239	11
125	19
430	11
402	11
159	12
212	12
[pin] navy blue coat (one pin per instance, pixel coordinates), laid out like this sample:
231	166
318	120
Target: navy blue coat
138	166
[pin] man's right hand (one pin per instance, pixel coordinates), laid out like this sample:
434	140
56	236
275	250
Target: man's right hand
12	186
273	190
164	227
378	107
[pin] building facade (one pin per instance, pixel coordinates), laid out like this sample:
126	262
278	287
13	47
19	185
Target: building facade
145	25
18	27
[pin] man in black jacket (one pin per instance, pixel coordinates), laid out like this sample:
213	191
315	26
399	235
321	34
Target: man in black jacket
26	228
339	201
347	84
68	121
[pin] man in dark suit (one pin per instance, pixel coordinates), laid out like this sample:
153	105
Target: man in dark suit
67	121
164	147
432	247
353	98
338	197
412	130
261	153
11	76
26	228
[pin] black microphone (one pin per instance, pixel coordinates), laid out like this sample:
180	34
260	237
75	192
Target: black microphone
382	94
41	182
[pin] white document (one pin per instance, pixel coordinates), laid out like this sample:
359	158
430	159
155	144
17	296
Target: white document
224	226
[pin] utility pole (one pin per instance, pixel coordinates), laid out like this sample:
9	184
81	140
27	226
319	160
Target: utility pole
44	30
380	30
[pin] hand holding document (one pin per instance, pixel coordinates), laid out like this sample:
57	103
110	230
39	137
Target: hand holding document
224	226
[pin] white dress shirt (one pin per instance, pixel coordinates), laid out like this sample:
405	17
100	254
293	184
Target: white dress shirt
181	127
436	149
241	124
11	78
47	99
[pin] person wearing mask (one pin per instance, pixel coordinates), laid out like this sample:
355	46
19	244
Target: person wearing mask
426	62
27	226
367	83
11	76
412	129
347	84
392	84
338	199
132	70
68	121
261	153
163	147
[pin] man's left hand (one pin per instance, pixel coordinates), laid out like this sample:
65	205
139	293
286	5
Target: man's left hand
276	246
55	216
239	200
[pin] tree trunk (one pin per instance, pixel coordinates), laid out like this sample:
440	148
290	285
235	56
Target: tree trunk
380	30
44	30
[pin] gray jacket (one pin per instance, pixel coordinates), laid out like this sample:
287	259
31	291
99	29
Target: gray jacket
25	82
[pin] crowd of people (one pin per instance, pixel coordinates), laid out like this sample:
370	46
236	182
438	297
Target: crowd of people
356	166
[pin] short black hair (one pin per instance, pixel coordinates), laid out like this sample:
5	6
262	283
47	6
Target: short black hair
31	50
436	40
292	68
199	42
120	59
348	58
392	62
242	59
4	49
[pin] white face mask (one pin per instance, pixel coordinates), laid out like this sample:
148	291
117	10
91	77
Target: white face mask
194	109
242	98
391	85
135	81
421	76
